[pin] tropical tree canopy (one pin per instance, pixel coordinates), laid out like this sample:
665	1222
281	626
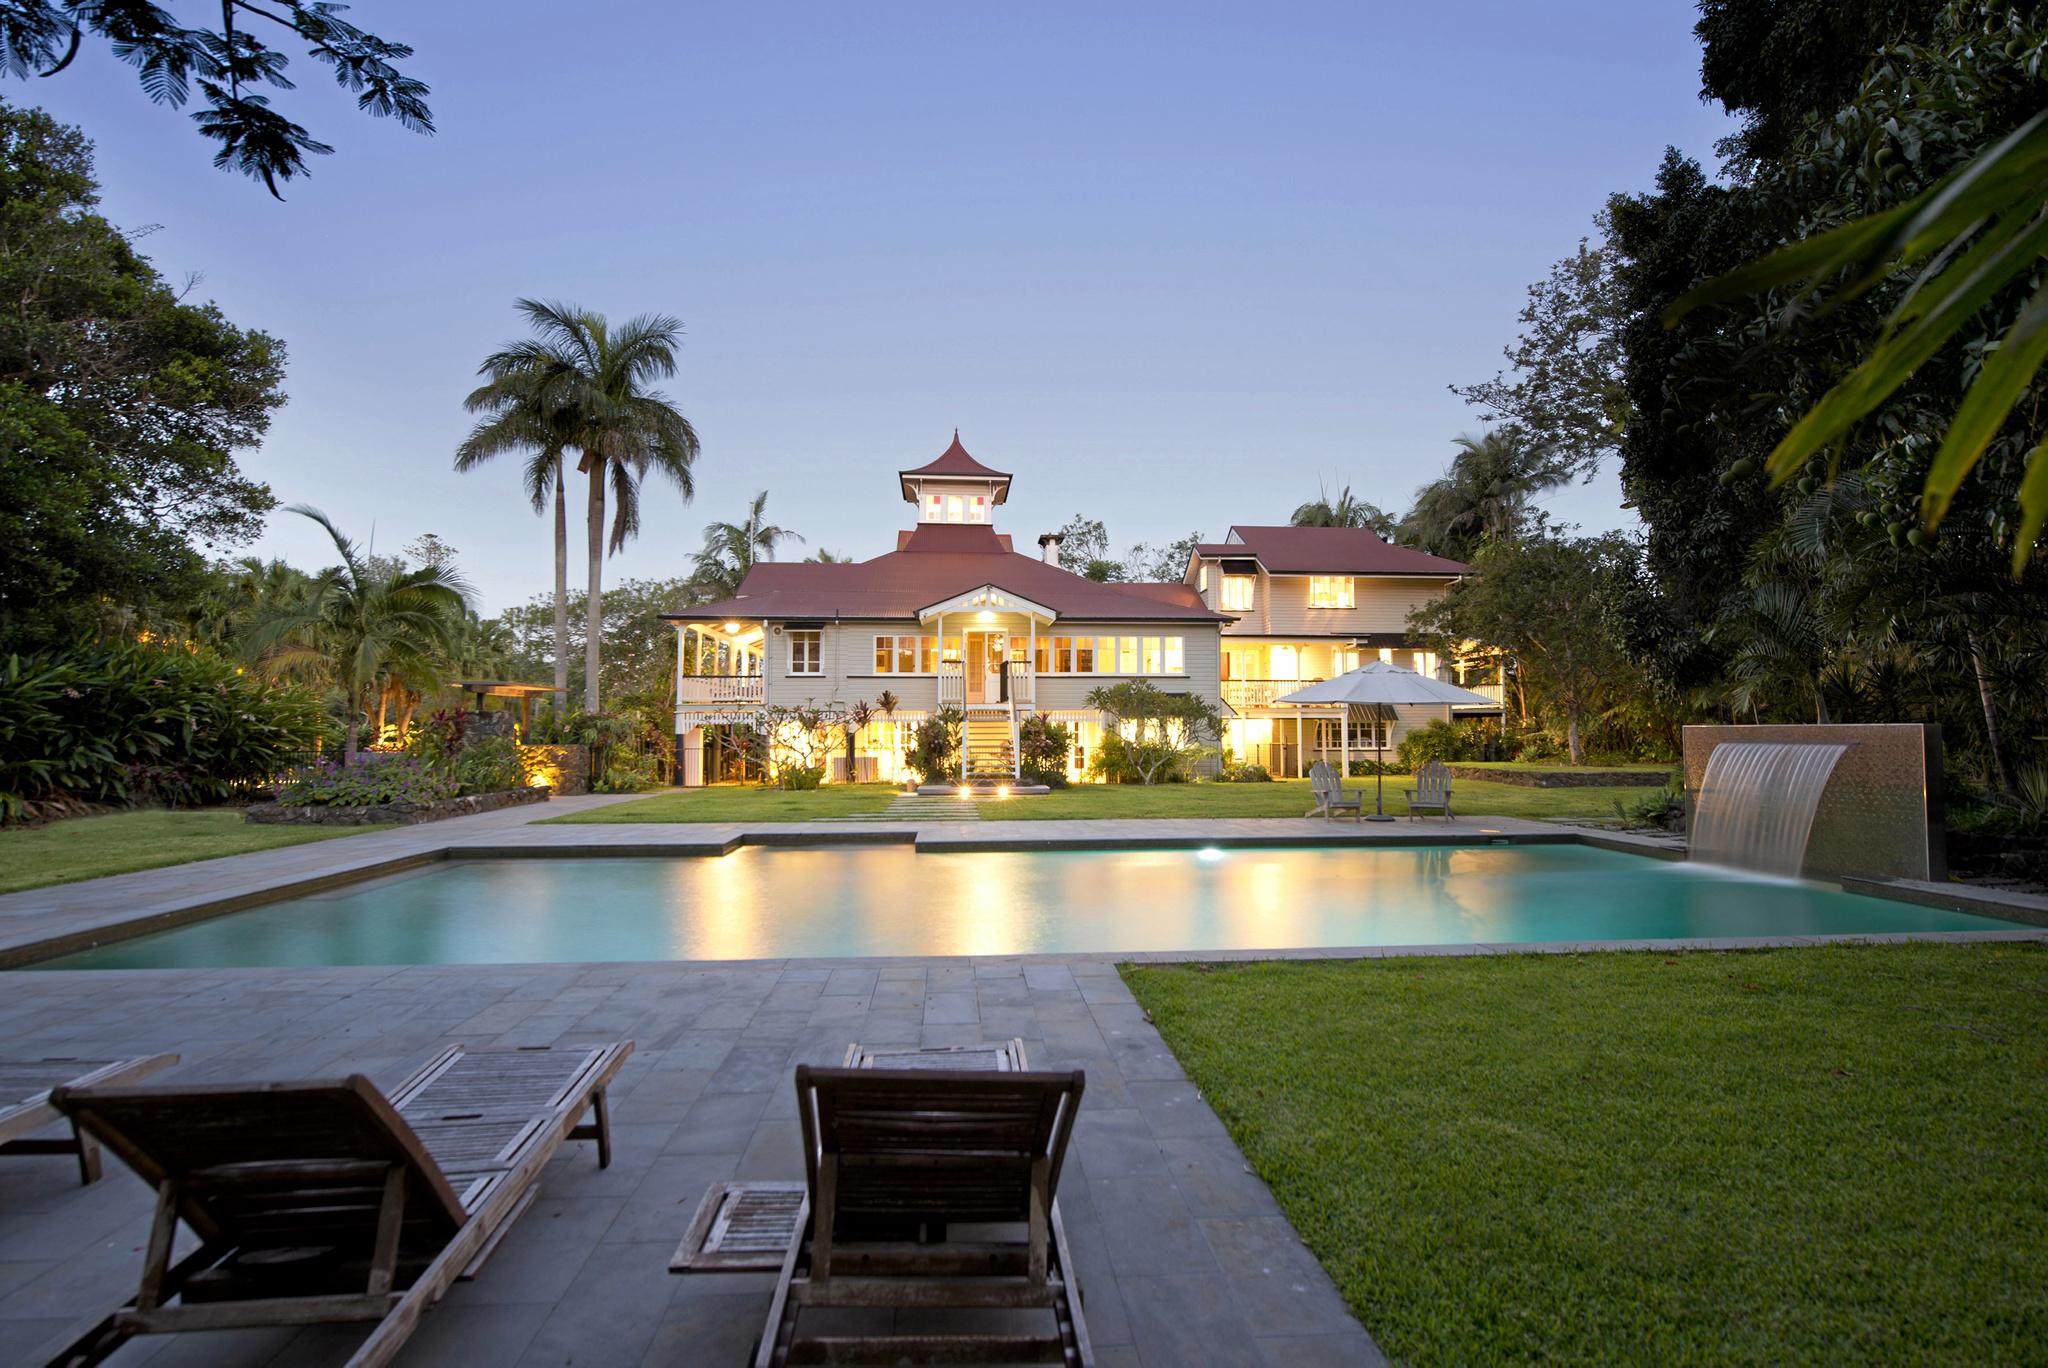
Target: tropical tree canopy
1344	511
1487	493
360	621
731	548
229	62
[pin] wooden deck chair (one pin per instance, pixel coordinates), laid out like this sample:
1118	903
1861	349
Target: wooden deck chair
1330	796
889	1150
321	1202
29	1081
1432	791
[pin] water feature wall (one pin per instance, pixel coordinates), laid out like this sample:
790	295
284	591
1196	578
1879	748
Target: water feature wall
1874	813
1757	801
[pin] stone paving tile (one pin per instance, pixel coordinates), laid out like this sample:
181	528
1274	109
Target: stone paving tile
1182	1253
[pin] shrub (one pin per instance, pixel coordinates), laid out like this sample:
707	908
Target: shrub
1441	740
127	723
1365	769
371	782
1120	760
628	771
1662	808
1245	772
800	777
935	747
490	766
438	739
1042	746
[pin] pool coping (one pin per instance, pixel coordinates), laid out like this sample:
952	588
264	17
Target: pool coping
126	920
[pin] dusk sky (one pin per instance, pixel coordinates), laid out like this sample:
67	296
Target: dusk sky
1171	265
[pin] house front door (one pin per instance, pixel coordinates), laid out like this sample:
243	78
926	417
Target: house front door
982	666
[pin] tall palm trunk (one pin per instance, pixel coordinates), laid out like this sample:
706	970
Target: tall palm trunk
1993	741
561	592
593	614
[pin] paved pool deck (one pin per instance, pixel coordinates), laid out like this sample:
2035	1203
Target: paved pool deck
1182	1253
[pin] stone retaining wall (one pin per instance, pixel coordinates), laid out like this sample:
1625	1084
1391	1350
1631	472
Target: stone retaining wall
1564	778
405	814
566	769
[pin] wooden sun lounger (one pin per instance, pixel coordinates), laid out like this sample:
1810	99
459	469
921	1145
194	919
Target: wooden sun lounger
322	1202
745	1225
30	1081
889	1151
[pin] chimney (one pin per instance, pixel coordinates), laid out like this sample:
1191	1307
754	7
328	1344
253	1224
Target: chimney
1049	549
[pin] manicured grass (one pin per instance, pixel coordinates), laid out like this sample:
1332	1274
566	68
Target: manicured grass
123	842
1552	767
1291	798
743	803
1818	1155
1281	798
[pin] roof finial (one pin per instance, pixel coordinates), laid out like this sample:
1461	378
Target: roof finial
956	434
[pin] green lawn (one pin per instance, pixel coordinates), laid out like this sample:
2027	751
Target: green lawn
1281	798
1793	1156
123	842
1291	798
737	803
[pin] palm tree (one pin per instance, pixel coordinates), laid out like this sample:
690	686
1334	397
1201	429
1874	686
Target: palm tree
520	418
589	382
731	549
1345	511
359	623
1484	495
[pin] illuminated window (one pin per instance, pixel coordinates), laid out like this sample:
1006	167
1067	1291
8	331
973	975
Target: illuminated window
1084	655
1152	660
1237	593
906	655
931	508
1202	577
1365	735
1331	591
956	508
885	655
804	653
978	510
1126	655
928	655
1176	655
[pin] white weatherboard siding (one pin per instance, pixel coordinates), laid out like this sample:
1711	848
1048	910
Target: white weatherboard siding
1382	605
847	664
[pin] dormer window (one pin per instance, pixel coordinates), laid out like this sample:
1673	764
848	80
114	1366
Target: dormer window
1237	593
977	509
956	508
932	508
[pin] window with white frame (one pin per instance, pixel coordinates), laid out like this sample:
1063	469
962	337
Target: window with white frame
1237	593
805	653
1332	591
1365	735
906	654
1202	577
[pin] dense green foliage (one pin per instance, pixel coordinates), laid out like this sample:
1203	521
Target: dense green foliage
371	782
129	723
121	408
935	747
1042	747
1440	741
230	65
1816	1156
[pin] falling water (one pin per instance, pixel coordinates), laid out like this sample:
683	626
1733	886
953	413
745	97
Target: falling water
1756	803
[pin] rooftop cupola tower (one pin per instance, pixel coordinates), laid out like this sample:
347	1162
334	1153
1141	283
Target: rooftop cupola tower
955	488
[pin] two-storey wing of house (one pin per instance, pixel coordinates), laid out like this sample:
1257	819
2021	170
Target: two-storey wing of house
952	618
1309	603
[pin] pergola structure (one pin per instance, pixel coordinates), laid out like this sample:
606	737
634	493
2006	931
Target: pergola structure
507	688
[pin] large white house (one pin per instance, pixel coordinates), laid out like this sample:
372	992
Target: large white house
954	617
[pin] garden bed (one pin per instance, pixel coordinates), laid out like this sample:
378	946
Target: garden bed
404	814
1580	776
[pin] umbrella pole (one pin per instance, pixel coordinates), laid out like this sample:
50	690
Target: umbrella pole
1379	778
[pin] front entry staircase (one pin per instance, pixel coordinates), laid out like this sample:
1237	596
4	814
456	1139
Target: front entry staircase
988	746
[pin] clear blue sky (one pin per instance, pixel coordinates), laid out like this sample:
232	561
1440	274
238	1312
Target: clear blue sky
1172	265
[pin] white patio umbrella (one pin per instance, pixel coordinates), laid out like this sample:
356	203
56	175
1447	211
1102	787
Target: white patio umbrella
1378	685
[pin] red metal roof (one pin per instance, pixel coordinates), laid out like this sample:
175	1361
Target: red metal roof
1327	551
954	461
936	562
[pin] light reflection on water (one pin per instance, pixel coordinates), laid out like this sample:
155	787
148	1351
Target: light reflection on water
762	903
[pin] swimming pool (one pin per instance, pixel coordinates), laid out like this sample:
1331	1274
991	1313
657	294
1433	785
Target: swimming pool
762	902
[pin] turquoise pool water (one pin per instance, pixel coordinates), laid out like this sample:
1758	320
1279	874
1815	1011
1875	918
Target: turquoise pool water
773	902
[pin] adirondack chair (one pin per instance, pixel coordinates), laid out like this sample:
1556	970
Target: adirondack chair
1330	796
29	1081
890	1150
322	1202
1432	791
